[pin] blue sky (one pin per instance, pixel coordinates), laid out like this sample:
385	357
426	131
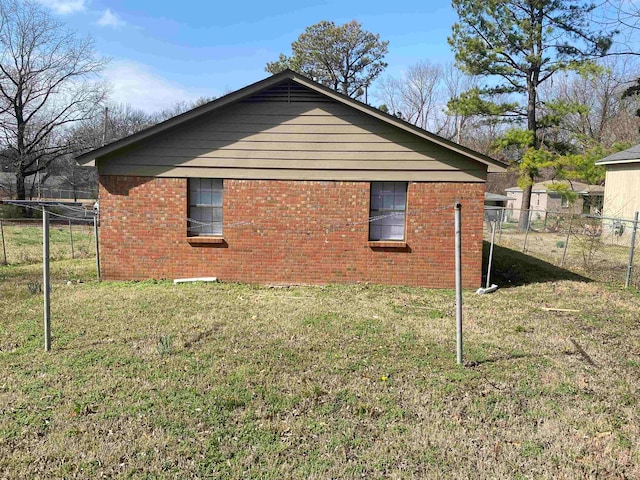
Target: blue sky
166	51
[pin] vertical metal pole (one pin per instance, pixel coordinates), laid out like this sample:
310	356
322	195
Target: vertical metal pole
526	235
71	240
458	266
4	248
95	233
493	236
46	279
566	241
632	251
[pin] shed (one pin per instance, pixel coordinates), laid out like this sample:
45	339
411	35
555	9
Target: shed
544	198
622	183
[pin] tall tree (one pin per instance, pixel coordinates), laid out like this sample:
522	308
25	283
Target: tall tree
519	45
343	57
47	83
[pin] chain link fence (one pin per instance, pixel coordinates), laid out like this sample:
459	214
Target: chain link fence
21	240
602	248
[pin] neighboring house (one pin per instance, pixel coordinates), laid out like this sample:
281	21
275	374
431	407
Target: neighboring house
545	199
279	181
622	184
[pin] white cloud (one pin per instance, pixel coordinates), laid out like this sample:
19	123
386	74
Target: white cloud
64	7
140	87
110	19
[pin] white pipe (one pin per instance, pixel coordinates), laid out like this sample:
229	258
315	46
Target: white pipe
196	279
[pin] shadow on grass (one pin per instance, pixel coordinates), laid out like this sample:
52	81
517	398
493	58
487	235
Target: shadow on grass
512	268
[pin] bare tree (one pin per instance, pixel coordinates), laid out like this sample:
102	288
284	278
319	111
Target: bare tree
582	110
48	82
179	108
421	92
458	126
422	96
417	96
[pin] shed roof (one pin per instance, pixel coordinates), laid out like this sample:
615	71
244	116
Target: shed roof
630	155
494	197
89	158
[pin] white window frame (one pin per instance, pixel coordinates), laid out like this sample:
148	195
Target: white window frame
205	199
387	211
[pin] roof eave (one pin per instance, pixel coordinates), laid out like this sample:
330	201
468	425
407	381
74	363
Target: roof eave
604	161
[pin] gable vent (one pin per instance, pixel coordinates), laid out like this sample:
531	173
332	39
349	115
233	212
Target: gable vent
288	92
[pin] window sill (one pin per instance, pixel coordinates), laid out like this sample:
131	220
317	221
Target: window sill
386	244
203	240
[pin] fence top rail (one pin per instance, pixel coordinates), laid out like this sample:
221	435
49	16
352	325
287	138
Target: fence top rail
615	219
41	203
53	220
556	212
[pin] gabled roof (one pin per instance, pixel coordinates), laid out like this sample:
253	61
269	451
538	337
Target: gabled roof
89	157
577	187
630	155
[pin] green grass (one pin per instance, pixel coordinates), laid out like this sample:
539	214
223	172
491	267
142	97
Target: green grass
153	380
23	242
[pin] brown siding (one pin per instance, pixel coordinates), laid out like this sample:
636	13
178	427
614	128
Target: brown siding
309	139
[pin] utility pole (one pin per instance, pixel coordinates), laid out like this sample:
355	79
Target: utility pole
104	126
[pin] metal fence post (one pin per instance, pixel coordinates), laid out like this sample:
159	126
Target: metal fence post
526	235
458	267
493	236
71	240
95	232
632	251
46	279
566	241
4	248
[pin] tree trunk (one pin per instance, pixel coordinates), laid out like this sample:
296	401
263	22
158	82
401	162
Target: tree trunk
532	126
526	205
21	192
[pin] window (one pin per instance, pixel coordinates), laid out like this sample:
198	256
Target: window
205	206
388	206
564	201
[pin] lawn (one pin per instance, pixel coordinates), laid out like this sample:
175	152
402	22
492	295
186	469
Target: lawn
23	242
152	380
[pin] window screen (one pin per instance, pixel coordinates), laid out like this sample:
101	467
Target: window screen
388	206
205	206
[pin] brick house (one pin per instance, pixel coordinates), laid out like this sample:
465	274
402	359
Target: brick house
277	182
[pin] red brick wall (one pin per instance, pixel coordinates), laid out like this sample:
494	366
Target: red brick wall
287	232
